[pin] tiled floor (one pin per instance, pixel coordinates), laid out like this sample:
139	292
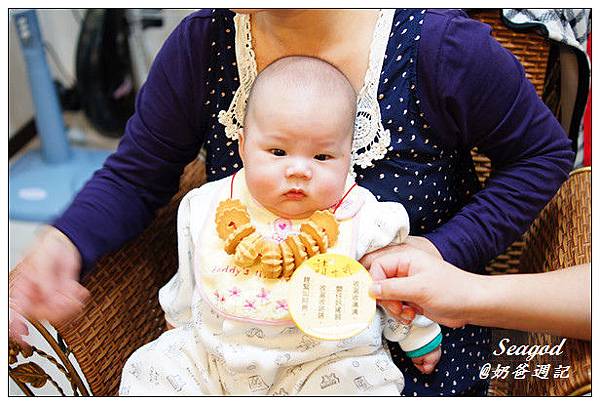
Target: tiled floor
21	234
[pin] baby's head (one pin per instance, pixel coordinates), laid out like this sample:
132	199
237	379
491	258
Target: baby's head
297	138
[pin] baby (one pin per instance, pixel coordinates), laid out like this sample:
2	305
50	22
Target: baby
241	238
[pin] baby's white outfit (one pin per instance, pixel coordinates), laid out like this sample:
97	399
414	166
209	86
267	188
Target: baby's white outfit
233	333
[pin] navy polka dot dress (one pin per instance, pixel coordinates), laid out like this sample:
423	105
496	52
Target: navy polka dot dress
431	180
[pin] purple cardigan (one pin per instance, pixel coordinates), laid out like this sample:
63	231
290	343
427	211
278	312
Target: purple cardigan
459	68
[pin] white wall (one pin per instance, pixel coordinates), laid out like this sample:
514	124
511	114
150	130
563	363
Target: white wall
60	28
19	104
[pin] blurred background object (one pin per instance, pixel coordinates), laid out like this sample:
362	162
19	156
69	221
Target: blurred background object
91	61
112	62
44	180
570	31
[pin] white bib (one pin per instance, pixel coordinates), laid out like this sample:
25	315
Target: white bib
241	293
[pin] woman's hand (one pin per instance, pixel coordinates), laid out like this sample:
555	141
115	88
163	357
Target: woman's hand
438	290
44	285
402	313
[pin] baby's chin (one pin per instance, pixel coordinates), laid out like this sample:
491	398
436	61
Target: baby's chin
293	214
289	211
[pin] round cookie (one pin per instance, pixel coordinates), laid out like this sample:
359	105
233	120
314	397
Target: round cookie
309	243
326	220
270	259
236	237
317	234
247	250
287	258
297	248
229	220
229	203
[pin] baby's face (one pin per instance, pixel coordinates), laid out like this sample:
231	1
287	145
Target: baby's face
296	158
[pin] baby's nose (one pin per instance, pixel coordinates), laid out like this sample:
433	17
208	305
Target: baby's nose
299	168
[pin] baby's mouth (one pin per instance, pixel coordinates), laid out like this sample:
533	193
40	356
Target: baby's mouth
295	194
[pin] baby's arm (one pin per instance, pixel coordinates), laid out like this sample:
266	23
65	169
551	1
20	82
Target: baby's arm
382	224
176	296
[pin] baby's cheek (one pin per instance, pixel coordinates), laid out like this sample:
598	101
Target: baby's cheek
331	190
261	185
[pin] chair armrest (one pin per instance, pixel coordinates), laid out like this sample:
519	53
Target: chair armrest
559	238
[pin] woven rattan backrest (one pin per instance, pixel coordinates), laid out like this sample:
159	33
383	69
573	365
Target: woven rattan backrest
561	235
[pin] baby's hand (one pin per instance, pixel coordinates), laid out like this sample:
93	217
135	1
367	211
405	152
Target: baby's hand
426	363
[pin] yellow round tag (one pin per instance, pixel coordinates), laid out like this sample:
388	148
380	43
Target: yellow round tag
329	297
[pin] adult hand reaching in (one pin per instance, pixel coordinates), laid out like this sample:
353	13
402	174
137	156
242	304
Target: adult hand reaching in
401	312
453	297
45	284
435	288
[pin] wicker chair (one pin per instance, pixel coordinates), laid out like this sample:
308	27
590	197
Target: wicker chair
124	313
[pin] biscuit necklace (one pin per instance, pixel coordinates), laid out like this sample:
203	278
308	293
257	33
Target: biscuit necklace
249	247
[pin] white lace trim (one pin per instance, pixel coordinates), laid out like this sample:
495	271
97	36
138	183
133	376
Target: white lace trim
233	118
371	139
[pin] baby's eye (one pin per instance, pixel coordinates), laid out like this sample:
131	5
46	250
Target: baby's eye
322	157
278	152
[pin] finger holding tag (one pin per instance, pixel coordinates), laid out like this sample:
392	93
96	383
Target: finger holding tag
329	297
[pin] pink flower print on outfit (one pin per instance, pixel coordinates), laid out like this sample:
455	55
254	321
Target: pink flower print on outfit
281	305
220	298
263	295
